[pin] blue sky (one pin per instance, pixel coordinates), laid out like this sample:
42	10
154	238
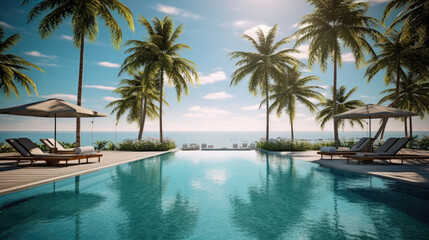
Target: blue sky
212	29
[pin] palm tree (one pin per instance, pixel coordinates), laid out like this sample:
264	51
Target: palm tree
11	67
263	65
293	88
161	54
138	96
84	16
396	57
413	95
414	18
343	105
334	23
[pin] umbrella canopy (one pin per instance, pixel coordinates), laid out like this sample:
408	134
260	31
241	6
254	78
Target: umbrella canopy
375	111
53	107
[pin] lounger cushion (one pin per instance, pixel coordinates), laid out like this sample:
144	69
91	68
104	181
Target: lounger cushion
18	147
386	145
359	144
30	146
85	149
328	149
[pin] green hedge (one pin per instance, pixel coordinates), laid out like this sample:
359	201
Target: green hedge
148	144
419	143
284	144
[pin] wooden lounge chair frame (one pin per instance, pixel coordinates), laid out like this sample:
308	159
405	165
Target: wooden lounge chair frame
401	157
27	155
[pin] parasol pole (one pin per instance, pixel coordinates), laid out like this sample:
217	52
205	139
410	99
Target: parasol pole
411	128
369	127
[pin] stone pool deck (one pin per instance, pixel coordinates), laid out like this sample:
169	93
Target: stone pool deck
13	178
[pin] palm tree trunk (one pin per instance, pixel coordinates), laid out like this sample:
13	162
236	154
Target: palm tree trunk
291	129
334	101
267	106
142	119
79	89
161	86
398	80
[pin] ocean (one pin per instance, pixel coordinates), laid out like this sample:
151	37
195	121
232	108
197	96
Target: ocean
218	139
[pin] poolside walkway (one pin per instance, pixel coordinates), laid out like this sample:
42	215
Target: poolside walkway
411	172
13	178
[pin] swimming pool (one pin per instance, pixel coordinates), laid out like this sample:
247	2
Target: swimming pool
217	195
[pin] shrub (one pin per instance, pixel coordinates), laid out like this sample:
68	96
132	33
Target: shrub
147	144
284	144
5	148
419	143
111	146
101	145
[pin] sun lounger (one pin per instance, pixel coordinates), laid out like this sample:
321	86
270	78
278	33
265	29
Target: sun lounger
29	151
235	145
52	144
387	151
360	146
244	145
203	146
252	146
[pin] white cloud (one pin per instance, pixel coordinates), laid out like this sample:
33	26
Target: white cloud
348	57
100	87
39	54
226	50
252	107
176	11
324	86
46	64
67	37
6	25
212	77
110	99
218	96
252	31
243	24
68	97
108	64
205	112
303	52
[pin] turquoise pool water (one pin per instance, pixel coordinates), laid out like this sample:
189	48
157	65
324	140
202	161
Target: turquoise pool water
217	195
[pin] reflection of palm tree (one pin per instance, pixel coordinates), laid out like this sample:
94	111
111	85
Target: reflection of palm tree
273	209
140	197
47	208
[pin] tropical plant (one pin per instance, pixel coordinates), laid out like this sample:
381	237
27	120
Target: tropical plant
160	54
263	65
292	89
343	105
84	16
414	18
147	144
101	144
11	67
334	23
138	97
413	95
396	57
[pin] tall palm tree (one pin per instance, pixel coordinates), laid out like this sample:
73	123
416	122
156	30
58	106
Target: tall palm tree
263	65
161	54
11	67
138	96
414	18
396	57
285	94
343	105
334	23
413	95
84	16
